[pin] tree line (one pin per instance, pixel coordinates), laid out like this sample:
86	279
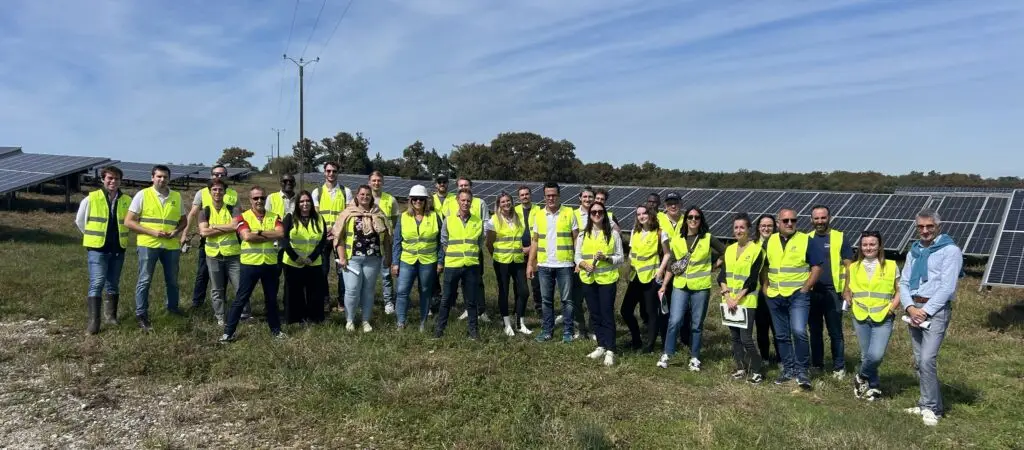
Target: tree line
530	156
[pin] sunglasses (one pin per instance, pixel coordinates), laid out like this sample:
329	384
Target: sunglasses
219	174
257	198
287	181
418	199
329	171
693	217
597	212
787	220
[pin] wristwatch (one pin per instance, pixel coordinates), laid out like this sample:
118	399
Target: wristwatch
259	233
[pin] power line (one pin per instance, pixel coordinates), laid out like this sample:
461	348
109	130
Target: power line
287	44
336	25
315	23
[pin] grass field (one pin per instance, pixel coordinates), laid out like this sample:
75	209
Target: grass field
324	387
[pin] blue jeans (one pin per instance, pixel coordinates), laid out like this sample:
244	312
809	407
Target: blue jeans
926	345
387	285
873	338
828	305
325	261
269	275
359	289
469	277
550	277
789	315
104	272
148	258
683	301
407	274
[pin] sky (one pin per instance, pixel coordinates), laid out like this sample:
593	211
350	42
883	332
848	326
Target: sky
710	85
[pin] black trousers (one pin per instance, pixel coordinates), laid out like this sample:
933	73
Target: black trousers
469	277
646	296
202	276
763	325
304	296
514	274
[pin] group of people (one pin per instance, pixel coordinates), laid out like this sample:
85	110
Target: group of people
787	285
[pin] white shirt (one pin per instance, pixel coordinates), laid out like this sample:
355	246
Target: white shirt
136	206
331	192
491	225
551	257
289	202
83	211
671	225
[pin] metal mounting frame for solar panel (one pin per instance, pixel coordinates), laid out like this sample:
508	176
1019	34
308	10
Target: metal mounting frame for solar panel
8	151
22	170
143	172
1006	262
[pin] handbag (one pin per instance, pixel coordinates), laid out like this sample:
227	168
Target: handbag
679	267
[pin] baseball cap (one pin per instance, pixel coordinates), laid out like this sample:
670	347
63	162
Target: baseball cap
441	179
672	197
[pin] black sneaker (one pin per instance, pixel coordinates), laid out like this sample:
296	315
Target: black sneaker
144	323
783	378
175	312
860	386
803	382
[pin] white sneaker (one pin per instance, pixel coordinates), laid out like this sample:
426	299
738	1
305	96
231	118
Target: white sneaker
220	320
663	362
366	327
694	365
839	374
929	418
575	335
559	320
280	336
350	326
523	329
597	353
592	336
464	316
483	318
917	411
609	359
509	331
389	308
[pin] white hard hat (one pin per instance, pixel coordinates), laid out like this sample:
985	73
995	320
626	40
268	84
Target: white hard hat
418	191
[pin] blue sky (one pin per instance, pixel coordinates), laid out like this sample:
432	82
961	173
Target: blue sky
706	85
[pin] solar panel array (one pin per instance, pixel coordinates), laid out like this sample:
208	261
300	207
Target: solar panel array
21	170
143	172
953	190
7	151
1006	265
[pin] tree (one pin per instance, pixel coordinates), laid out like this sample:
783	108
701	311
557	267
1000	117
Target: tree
282	165
413	162
236	157
389	167
350	152
307	159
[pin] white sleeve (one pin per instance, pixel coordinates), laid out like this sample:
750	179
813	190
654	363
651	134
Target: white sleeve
136	205
198	199
184	210
83	213
489	224
316	198
575	224
348	197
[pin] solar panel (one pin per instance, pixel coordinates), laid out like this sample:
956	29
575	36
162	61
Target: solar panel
758	202
143	172
238	172
724	201
795	200
863	205
1005	263
903	206
982	238
850	224
616	195
697	197
22	170
834	200
961	209
8	151
994	210
949	189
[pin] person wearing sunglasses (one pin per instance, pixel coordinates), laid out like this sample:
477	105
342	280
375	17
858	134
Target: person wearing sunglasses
222	249
738	280
873	296
415	253
693	252
387	204
462	238
826	298
304	243
672	222
927	291
763	316
258	229
601	196
792	267
282	202
552	259
526	210
644	258
362	237
598	256
330	199
203	199
587	196
504	241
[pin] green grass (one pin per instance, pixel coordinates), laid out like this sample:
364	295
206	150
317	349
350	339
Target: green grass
391	389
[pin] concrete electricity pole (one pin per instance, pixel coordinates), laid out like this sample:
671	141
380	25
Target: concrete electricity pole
302	137
278	131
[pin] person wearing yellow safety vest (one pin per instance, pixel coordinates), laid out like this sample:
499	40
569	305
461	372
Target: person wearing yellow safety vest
462	238
826	298
552	259
671	221
601	196
598	255
157	216
792	266
763	316
440	199
362	238
739	280
505	233
201	200
693	255
644	269
217	227
100	218
387	204
282	202
872	292
587	198
258	229
330	199
416	253
526	210
479	209
304	242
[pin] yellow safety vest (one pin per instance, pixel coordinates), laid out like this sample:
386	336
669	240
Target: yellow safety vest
787	269
263	252
452	207
604	271
698	270
529	215
441	205
304	239
508	242
463	241
419	241
225	244
159	217
564	247
95	234
666	224
387	205
275	204
737	269
643	254
872	298
230	197
329	209
835	245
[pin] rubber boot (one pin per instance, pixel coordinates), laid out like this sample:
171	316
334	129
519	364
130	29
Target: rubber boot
93	325
110	309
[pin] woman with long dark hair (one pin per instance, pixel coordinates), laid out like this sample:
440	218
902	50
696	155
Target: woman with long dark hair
598	256
304	243
766	226
644	262
739	280
505	243
693	252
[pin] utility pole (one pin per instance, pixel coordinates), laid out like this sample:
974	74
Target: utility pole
278	131
302	136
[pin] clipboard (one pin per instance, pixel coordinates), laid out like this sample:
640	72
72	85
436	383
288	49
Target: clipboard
737	319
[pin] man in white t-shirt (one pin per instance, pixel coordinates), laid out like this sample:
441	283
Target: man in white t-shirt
551	258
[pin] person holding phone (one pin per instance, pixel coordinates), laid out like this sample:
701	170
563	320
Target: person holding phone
598	256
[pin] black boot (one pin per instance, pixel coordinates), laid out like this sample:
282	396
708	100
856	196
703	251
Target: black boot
110	309
143	322
93	325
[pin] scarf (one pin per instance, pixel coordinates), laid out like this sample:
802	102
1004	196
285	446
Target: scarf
919	271
378	224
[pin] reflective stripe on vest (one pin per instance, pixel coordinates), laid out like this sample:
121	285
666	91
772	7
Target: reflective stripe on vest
666	224
263	252
330	208
95	234
419	241
303	239
508	242
155	216
564	247
643	255
737	269
604	271
835	259
275	204
787	268
698	270
872	298
230	197
463	241
225	244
